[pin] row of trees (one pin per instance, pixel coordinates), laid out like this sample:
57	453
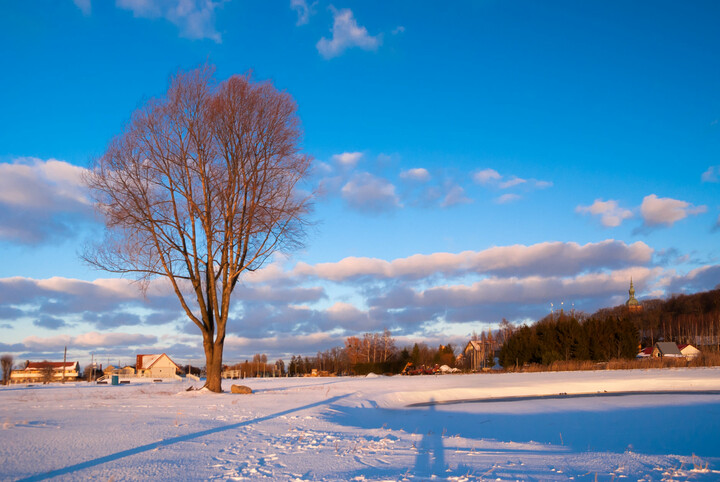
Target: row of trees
259	367
564	338
371	352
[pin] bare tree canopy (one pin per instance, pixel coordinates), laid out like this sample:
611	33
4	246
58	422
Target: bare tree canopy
202	185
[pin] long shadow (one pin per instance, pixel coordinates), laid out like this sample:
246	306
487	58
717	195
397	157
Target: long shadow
678	429
430	459
173	440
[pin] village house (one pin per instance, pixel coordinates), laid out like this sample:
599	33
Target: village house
46	371
156	366
668	349
689	351
126	371
475	353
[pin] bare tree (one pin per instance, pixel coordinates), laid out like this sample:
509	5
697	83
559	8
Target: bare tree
388	343
47	372
6	364
202	186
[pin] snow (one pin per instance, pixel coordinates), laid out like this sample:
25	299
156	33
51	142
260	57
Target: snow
363	428
148	360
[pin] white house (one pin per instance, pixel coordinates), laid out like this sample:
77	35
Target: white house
156	366
46	371
689	351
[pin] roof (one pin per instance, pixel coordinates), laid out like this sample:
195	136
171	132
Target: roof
144	362
688	349
475	344
668	348
45	364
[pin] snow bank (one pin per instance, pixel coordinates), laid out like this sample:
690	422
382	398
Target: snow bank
489	386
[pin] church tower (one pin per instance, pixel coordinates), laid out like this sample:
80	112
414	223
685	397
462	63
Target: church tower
633	305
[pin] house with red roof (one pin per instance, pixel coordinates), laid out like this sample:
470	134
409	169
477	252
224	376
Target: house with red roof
669	350
45	371
156	366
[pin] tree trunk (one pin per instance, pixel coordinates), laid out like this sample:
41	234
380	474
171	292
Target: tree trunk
213	362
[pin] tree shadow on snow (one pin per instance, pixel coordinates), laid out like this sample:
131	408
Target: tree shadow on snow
683	430
173	440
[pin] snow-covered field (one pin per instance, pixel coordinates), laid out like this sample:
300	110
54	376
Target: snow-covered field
364	429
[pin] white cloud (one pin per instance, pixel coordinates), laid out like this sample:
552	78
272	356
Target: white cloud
547	259
346	34
456	195
711	175
398	29
512	182
37	184
95	339
84	6
535	289
366	192
303	10
416	174
194	18
345	313
507	198
699	279
40	200
611	214
666	211
348	159
88	340
490	177
486	176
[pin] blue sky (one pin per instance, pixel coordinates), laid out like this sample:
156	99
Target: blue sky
474	161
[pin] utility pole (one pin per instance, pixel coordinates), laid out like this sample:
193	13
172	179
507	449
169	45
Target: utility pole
64	360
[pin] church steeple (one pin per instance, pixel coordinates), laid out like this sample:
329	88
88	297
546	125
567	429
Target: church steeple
632	303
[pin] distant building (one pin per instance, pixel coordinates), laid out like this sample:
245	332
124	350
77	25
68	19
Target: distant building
124	371
475	354
39	371
668	349
689	351
156	366
632	304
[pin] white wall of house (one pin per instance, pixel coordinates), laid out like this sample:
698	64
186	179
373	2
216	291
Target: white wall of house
162	368
690	352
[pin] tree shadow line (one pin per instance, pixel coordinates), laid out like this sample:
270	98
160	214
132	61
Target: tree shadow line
173	440
683	430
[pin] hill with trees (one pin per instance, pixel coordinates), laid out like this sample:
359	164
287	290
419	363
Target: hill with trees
616	333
